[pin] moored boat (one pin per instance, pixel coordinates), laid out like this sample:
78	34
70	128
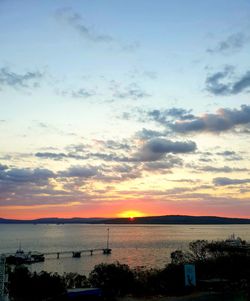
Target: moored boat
21	257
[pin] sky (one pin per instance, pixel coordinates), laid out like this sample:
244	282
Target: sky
124	108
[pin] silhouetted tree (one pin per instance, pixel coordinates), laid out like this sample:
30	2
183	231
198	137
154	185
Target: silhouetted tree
34	287
199	249
74	280
180	257
114	279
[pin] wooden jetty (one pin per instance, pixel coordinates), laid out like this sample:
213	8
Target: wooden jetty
23	257
78	253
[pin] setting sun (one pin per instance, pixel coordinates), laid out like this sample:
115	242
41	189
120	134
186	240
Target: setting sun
131	214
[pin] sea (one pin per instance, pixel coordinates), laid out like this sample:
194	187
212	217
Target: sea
146	246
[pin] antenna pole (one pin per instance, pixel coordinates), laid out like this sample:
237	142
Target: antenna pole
108	238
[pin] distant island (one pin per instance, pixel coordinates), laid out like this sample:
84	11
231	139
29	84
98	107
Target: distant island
157	220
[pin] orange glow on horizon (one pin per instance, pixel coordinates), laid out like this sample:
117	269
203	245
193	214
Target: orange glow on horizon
131	214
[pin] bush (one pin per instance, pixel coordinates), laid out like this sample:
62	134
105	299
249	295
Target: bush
114	279
35	287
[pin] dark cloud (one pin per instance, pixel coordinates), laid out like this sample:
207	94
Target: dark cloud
224	169
226	153
227	181
164	117
221	83
146	134
232	43
205	159
169	163
75	21
186	180
125	168
241	84
3	167
230	156
214	82
25	175
156	149
114	151
80	172
223	120
16	80
59	156
113	157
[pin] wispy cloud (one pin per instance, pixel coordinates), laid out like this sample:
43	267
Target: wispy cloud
59	156
17	80
76	22
228	181
223	83
230	155
132	91
234	42
78	93
223	169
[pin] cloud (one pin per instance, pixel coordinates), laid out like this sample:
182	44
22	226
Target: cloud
232	43
3	167
146	134
80	172
78	93
223	120
59	156
220	83
125	168
156	149
75	21
16	80
25	175
227	181
132	91
113	145
169	163
224	169
163	117
230	156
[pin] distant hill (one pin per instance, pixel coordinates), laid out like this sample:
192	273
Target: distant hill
166	219
180	219
54	220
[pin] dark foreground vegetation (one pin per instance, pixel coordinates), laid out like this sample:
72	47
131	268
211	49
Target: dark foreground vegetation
219	268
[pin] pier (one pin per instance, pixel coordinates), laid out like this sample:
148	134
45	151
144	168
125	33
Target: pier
32	257
21	257
78	253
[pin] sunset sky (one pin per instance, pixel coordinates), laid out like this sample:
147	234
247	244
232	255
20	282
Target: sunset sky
124	108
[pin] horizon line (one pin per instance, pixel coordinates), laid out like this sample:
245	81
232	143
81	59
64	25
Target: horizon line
125	218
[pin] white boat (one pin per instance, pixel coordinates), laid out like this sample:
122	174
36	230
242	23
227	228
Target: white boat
21	257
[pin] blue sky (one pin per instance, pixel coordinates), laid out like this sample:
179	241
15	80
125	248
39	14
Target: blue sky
124	105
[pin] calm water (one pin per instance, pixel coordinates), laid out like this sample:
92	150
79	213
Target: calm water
140	245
